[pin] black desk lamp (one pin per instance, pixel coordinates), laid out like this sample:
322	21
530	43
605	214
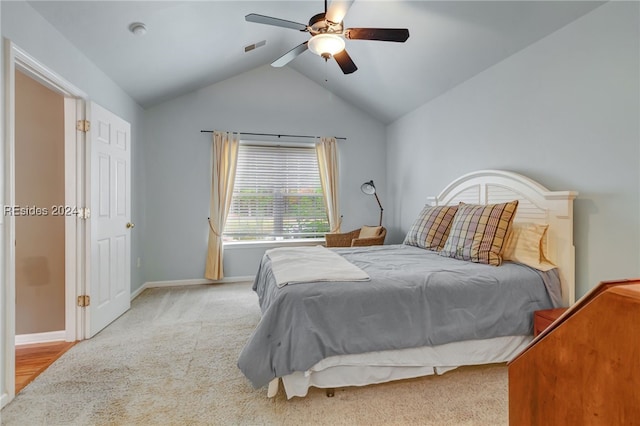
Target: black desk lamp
370	189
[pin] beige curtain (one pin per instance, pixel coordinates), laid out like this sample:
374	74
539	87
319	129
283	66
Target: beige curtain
225	158
327	152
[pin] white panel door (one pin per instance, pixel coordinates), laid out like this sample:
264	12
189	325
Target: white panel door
109	152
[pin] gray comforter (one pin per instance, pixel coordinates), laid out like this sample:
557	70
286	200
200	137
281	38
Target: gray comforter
415	298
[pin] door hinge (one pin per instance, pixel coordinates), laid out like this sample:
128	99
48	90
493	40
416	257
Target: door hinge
83	125
84	301
84	213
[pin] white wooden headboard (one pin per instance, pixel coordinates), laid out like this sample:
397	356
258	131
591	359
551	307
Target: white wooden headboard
535	204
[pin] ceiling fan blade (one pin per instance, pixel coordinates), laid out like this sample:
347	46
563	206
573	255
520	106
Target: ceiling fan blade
345	62
268	20
290	55
337	10
384	34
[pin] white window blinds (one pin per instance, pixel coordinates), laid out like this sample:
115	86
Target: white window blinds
277	195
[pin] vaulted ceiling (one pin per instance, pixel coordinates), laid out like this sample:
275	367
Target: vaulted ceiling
189	45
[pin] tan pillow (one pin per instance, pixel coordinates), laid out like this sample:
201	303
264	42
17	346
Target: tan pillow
526	244
370	231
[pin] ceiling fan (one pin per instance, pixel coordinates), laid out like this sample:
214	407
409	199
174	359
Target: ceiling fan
328	34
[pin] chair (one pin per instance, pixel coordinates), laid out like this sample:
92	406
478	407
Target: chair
353	239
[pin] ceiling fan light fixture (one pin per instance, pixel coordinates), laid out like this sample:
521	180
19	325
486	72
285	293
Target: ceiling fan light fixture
326	45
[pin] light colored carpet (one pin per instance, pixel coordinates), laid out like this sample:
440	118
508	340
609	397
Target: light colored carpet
172	360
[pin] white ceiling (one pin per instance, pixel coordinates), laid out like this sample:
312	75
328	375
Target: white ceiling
194	44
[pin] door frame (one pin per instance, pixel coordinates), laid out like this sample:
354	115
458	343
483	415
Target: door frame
75	190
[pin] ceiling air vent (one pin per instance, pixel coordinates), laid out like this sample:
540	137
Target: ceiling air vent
251	47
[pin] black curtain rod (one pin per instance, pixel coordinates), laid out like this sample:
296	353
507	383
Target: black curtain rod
273	134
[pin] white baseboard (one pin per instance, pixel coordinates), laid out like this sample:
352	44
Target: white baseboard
4	400
197	281
138	291
50	336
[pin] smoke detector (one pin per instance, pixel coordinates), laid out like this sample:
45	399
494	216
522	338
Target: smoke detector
138	28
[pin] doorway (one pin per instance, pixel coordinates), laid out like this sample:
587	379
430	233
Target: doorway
38	212
40	228
33	277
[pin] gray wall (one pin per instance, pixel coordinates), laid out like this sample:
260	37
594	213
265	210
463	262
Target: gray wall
33	34
264	100
565	112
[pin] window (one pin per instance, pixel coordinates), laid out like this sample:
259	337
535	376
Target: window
277	195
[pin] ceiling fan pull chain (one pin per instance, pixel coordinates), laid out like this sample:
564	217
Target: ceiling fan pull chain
326	67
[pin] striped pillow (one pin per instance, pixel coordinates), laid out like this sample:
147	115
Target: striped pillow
478	232
431	228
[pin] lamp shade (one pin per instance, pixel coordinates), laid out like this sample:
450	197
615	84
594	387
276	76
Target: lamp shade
368	188
326	44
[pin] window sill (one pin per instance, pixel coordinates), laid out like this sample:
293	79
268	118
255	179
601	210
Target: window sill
232	245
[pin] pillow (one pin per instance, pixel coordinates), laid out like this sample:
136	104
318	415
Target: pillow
431	228
478	232
370	231
526	243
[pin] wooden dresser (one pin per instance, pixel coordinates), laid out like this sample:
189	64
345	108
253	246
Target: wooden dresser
584	369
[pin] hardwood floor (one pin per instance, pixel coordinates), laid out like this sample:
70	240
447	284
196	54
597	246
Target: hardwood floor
33	359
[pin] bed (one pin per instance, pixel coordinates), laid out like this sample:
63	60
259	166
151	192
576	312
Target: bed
419	313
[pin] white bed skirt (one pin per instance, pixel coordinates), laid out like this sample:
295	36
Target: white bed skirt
385	366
